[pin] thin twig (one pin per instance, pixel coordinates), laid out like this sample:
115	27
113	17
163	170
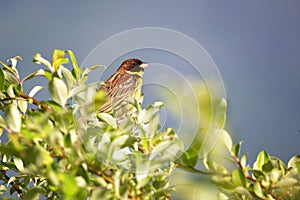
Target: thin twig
13	184
34	101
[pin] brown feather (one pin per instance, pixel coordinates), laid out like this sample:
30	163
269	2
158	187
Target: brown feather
121	85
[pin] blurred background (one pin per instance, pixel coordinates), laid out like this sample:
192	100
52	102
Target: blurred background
255	45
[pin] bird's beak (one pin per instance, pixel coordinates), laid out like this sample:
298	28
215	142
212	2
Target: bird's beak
143	65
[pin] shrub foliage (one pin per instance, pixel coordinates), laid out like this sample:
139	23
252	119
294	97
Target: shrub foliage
61	148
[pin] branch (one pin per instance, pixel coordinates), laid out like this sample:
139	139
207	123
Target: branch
13	184
34	101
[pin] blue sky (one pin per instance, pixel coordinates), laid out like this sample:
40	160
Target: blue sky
255	45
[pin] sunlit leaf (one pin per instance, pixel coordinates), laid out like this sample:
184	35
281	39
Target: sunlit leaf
58	91
9	68
40	60
243	160
22	105
189	158
261	159
147	113
89	69
238	178
267	167
34	90
258	174
13	118
39	72
68	77
19	164
14	62
242	191
294	163
58	62
226	139
142	170
222	196
2	80
120	140
223	182
258	190
236	149
221	114
108	119
33	193
57	54
217	168
286	182
10	79
74	63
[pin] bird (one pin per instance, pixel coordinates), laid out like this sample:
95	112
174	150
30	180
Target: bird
122	85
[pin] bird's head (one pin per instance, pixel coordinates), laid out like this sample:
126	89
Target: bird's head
133	66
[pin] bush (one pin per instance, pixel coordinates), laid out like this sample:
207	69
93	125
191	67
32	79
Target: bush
62	149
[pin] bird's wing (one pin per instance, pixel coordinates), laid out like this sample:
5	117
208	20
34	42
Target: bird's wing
119	89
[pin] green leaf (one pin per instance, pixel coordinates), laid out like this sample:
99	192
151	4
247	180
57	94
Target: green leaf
129	141
258	191
226	139
40	60
120	140
22	105
167	149
236	150
39	72
58	91
221	114
19	164
14	62
238	178
2	122
275	175
108	119
2	80
258	174
287	182
68	77
142	170
222	196
13	118
9	68
223	182
262	158
89	69
294	163
267	167
99	98
243	191
34	90
146	114
244	160
3	188
127	124
69	184
58	62
189	158
10	91
58	58
74	63
33	193
10	79
217	168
